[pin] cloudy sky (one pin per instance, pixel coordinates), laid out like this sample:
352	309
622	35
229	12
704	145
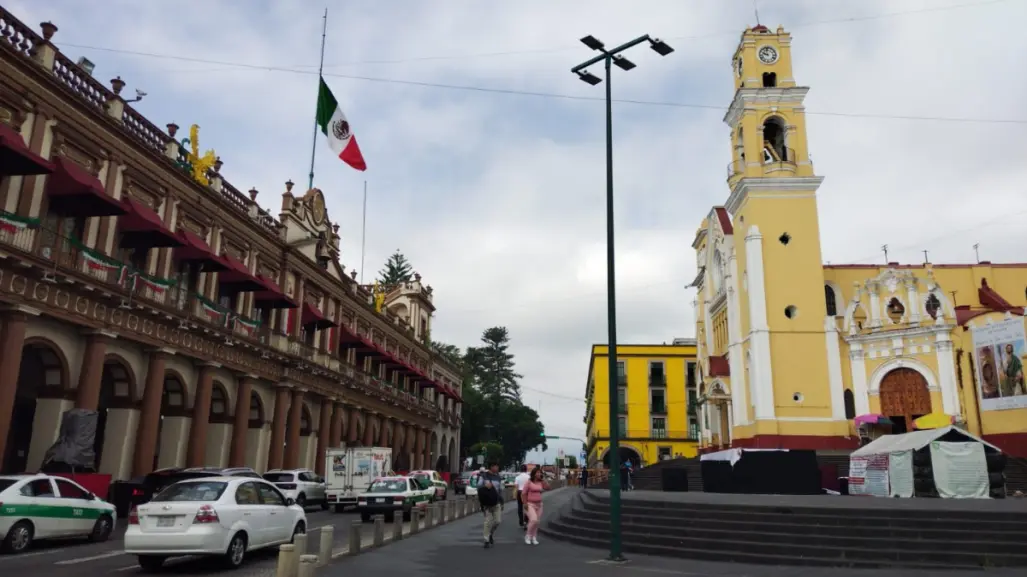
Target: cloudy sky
485	154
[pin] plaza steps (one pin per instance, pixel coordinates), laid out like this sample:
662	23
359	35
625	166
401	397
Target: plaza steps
1016	475
911	536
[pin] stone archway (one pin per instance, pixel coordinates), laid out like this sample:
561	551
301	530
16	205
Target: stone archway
41	380
904	397
117	385
626	453
172	432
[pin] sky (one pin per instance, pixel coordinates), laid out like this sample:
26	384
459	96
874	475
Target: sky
486	155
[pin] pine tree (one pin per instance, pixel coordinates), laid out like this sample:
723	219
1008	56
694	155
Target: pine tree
397	270
493	366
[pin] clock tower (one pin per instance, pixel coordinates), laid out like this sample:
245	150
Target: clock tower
774	205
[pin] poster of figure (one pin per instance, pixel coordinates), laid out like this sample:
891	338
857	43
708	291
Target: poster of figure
999	351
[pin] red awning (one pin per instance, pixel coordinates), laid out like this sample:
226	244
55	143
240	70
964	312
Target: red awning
142	227
272	297
314	317
74	192
195	249
237	278
16	158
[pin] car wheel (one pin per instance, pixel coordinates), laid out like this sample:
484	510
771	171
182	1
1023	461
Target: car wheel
365	517
236	553
324	505
150	562
407	513
298	530
445	494
301	500
340	508
19	537
102	529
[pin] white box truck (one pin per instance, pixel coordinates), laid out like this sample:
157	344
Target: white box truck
349	472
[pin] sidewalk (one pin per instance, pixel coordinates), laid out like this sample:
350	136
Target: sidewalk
455	550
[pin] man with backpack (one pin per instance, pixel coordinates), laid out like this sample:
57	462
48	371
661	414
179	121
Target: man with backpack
490	497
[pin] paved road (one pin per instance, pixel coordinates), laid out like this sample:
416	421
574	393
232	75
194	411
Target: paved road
80	558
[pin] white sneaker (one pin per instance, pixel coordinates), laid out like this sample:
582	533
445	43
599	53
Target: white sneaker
534	541
527	540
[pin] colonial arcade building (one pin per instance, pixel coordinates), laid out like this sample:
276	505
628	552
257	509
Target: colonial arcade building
135	280
790	351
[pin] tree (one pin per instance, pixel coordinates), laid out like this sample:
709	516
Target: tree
397	270
493	452
493	366
519	429
448	352
572	462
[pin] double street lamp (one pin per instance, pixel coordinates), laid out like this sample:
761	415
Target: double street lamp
610	58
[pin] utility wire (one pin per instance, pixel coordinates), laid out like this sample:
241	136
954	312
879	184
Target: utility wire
548	95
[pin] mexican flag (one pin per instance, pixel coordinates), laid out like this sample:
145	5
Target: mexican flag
334	125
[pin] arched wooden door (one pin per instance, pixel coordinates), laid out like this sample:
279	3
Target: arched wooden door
904	397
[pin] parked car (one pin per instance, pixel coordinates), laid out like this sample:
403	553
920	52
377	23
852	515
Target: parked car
390	495
44	507
127	494
301	485
224	517
435	479
460	483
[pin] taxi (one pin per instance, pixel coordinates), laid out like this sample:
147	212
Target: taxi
390	495
434	479
45	507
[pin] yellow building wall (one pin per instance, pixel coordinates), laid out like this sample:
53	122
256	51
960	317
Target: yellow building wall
636	360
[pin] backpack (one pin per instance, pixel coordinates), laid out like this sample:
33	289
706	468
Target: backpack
488	496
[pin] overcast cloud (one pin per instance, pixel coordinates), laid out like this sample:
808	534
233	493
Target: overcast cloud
497	198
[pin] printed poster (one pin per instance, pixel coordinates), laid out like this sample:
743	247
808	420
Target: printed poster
999	359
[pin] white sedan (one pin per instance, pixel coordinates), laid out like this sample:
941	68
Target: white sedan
218	516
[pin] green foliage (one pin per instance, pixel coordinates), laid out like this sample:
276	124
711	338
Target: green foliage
493	453
397	270
449	352
572	462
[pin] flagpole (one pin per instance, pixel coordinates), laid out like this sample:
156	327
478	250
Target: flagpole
363	234
320	70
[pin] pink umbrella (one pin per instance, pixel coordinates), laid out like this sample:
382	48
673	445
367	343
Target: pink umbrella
871	419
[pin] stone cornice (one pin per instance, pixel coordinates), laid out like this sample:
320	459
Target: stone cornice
746	98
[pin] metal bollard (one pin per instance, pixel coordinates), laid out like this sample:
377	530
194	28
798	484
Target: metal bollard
285	560
354	537
467	507
443	512
300	541
379	530
429	516
415	521
307	565
452	510
397	527
324	554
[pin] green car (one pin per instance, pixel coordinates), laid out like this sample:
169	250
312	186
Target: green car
45	507
390	495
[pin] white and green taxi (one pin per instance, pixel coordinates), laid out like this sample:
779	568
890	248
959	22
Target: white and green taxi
390	495
434	479
44	507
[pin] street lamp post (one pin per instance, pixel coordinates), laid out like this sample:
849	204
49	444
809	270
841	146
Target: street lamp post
609	58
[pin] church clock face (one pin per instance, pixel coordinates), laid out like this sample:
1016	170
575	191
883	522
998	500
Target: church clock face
318	208
768	55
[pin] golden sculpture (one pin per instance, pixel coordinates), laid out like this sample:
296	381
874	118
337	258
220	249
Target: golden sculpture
378	292
195	164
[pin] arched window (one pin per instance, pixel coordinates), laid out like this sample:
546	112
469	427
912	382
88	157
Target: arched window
774	141
769	79
218	401
832	303
896	310
850	404
933	305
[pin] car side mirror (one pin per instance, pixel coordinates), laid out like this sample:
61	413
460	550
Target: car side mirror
90	497
290	502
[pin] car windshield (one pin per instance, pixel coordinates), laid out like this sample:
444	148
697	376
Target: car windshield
466	476
279	477
388	486
192	491
5	483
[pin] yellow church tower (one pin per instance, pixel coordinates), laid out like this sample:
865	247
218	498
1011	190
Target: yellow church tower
773	204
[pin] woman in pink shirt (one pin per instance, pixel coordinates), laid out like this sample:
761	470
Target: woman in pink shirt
531	494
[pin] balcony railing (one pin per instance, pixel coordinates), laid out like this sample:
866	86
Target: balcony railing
662	434
70	257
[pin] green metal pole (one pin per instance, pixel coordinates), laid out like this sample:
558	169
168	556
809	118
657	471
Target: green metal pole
611	313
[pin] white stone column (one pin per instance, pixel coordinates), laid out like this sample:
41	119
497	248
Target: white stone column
859	379
736	361
759	333
834	368
875	305
913	304
947	374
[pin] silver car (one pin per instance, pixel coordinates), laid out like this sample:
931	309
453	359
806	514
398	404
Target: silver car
303	486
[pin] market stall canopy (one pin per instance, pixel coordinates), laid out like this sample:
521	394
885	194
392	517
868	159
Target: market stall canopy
933	421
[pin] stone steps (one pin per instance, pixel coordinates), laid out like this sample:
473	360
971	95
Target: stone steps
813	536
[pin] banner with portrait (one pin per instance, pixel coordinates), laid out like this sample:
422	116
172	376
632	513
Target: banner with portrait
999	350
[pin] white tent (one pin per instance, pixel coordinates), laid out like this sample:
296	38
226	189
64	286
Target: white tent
884	468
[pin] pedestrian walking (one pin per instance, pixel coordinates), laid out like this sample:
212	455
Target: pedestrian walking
519	482
532	496
584	478
490	497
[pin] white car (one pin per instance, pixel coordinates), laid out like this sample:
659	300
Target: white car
301	485
434	479
217	516
471	490
390	495
45	506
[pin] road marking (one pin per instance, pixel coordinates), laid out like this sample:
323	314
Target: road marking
129	568
24	555
93	558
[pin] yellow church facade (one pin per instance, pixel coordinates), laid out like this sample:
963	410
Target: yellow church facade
790	352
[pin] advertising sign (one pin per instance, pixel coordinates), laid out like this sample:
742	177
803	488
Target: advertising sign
998	360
